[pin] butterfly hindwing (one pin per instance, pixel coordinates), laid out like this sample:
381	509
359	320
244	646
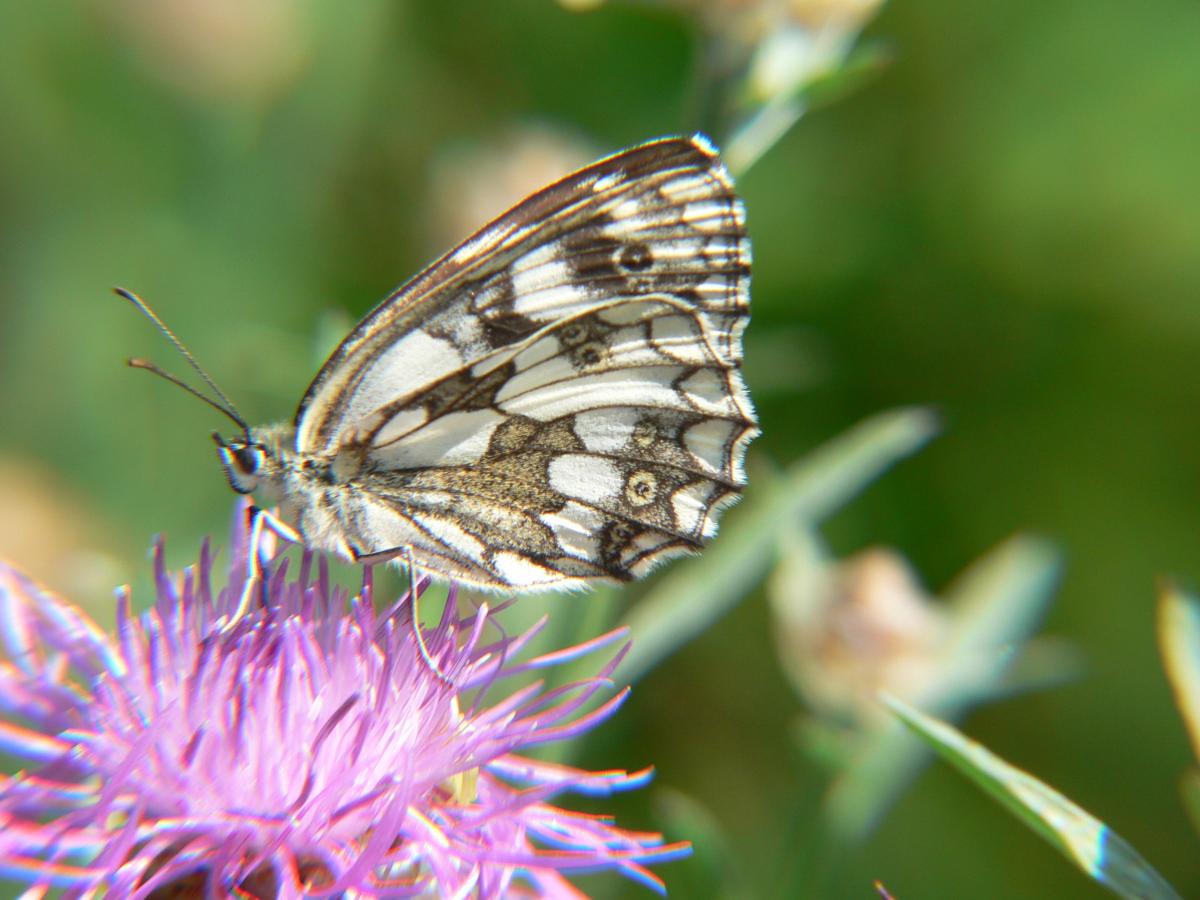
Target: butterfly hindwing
598	494
559	398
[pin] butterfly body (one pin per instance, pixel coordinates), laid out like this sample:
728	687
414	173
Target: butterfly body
556	401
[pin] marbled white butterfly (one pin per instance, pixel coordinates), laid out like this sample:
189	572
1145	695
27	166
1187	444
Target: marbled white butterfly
556	400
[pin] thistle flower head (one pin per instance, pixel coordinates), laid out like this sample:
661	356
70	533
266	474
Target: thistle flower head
849	630
317	748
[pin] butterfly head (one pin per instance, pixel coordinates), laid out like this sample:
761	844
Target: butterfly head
256	459
252	460
245	461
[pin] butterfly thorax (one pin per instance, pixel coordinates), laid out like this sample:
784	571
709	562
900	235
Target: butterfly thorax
302	486
266	463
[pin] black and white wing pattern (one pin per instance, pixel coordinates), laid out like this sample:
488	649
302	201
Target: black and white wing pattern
558	399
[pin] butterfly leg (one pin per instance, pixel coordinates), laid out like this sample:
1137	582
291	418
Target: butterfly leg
415	593
281	528
256	560
255	565
383	556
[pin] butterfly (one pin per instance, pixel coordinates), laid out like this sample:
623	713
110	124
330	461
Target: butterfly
557	400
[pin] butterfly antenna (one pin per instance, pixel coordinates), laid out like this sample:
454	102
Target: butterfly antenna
226	405
178	382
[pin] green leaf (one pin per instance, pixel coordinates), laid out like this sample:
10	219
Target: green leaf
698	592
1189	788
711	871
863	64
760	132
1179	639
1086	841
767	117
997	603
1045	662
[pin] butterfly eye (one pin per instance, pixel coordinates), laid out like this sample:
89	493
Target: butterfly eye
249	459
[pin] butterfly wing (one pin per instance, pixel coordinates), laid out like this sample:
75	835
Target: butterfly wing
558	399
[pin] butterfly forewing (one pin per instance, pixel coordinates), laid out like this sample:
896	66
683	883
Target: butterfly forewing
558	399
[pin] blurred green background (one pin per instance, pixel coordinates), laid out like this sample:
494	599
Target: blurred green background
1004	222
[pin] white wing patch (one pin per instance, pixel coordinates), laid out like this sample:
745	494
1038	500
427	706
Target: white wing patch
451	536
680	339
520	570
589	478
710	392
576	528
417	358
605	430
690	505
711	443
454	439
404	422
530	395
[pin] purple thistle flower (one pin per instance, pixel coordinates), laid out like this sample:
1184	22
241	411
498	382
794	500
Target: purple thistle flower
304	751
